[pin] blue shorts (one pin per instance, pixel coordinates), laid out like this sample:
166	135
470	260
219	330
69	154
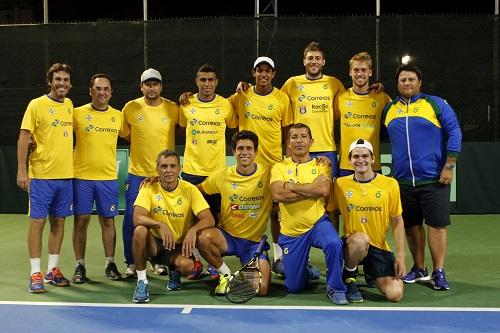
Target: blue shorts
104	192
332	156
52	197
243	248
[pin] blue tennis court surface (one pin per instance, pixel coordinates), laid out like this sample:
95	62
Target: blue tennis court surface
71	317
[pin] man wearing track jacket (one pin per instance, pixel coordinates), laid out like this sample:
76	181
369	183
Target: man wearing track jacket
426	138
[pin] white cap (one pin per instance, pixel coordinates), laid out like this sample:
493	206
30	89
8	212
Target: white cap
150	74
361	143
260	60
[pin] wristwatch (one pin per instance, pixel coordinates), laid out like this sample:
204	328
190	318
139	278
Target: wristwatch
449	166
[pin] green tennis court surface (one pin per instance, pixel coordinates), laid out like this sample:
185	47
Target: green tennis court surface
472	266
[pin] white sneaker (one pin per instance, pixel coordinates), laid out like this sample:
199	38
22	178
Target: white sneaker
130	272
159	269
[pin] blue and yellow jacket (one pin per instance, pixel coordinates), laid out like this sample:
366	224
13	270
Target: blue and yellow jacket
423	133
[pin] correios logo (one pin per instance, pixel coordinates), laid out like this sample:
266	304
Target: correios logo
348	115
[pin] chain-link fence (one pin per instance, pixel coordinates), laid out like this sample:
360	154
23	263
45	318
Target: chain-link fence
459	57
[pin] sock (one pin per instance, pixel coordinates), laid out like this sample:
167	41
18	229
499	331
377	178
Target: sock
224	270
197	255
349	273
141	275
35	265
109	260
80	262
277	251
53	261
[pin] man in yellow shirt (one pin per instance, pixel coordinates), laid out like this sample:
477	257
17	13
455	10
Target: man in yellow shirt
312	96
149	125
164	232
48	121
205	115
359	111
96	126
246	204
369	202
265	110
302	188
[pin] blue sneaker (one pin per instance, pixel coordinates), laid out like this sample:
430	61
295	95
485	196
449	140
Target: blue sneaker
36	283
279	268
312	272
56	278
141	293
214	274
80	275
337	296
353	294
416	274
439	280
174	280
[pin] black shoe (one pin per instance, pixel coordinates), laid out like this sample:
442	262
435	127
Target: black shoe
80	275
112	273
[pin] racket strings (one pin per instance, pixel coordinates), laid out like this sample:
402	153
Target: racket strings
244	286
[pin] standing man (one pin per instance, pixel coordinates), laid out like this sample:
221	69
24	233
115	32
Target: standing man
265	110
302	188
312	96
48	121
164	231
205	117
426	139
246	205
96	127
149	125
359	109
368	202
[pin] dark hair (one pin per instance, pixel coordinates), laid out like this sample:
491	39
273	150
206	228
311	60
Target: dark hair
409	68
167	153
359	142
98	75
300	125
207	68
56	68
245	135
314	46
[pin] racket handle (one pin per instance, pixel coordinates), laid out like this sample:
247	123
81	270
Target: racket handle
261	245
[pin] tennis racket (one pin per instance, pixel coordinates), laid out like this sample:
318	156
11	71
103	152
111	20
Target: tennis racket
244	284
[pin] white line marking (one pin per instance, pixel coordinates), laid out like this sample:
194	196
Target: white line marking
187	310
185	307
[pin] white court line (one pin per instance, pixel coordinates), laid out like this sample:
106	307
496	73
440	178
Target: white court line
190	307
187	310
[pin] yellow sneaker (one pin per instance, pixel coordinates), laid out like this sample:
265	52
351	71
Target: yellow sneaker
220	290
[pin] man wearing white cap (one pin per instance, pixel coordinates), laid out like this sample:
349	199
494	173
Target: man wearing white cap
149	125
368	201
265	110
